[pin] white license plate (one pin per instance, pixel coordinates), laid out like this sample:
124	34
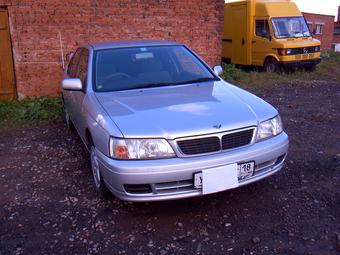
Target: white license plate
216	179
245	170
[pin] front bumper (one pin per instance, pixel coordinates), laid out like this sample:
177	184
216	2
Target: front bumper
173	178
301	63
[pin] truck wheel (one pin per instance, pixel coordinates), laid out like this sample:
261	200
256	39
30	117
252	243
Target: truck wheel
310	68
97	177
271	65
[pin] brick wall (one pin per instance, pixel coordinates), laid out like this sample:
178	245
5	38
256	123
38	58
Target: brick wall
35	27
336	35
326	37
336	38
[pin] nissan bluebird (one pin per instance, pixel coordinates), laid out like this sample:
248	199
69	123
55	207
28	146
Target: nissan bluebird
160	124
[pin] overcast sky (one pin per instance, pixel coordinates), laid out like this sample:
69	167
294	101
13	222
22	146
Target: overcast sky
319	6
329	7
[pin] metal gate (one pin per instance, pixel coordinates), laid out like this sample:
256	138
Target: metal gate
7	82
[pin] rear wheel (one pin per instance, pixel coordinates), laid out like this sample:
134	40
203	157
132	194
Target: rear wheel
271	65
96	174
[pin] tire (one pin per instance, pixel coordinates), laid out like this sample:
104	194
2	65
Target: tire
310	68
96	174
271	65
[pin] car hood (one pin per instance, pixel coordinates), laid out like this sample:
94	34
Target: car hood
178	111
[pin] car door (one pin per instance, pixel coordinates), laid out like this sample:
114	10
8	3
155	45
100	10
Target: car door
71	72
79	96
261	41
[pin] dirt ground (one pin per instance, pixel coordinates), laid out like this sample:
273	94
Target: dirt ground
48	204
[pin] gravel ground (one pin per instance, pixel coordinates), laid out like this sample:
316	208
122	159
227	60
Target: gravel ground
48	204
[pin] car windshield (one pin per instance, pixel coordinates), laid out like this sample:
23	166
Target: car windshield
144	67
290	27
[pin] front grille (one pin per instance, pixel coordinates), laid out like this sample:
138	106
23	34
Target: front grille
305	50
200	145
234	140
215	143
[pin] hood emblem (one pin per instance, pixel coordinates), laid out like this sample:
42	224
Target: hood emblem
218	126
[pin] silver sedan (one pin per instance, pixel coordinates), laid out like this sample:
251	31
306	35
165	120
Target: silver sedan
160	124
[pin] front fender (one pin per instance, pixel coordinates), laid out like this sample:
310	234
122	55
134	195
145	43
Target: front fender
99	124
271	55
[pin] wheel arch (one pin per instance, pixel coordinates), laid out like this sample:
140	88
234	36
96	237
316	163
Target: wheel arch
270	56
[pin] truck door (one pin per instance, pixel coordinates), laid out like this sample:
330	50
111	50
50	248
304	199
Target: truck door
261	41
239	34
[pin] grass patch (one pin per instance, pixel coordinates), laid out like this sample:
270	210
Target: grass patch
30	110
254	80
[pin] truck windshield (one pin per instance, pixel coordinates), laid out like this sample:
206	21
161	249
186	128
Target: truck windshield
290	27
146	67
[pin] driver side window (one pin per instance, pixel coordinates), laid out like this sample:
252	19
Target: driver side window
262	28
72	67
82	66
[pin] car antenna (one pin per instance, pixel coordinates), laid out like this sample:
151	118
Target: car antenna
61	50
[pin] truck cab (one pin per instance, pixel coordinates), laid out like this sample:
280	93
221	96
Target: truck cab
269	34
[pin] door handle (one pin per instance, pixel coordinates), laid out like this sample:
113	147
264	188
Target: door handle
242	40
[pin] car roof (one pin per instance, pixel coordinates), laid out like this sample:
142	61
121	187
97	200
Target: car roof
127	44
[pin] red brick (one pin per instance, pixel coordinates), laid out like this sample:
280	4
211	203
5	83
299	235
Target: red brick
326	37
35	27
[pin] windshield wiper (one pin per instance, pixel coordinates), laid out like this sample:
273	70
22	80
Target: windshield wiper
203	79
160	84
152	85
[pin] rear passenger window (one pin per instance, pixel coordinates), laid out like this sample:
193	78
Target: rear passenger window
262	28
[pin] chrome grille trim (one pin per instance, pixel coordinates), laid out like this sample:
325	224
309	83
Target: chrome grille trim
180	153
174	187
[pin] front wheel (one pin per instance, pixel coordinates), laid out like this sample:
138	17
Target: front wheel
271	65
97	177
310	68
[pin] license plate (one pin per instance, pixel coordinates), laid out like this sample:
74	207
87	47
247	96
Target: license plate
216	179
245	170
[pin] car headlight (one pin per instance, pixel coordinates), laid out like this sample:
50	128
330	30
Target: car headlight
140	148
269	128
289	51
285	52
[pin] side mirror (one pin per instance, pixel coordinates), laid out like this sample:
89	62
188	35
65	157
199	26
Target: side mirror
218	70
72	84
